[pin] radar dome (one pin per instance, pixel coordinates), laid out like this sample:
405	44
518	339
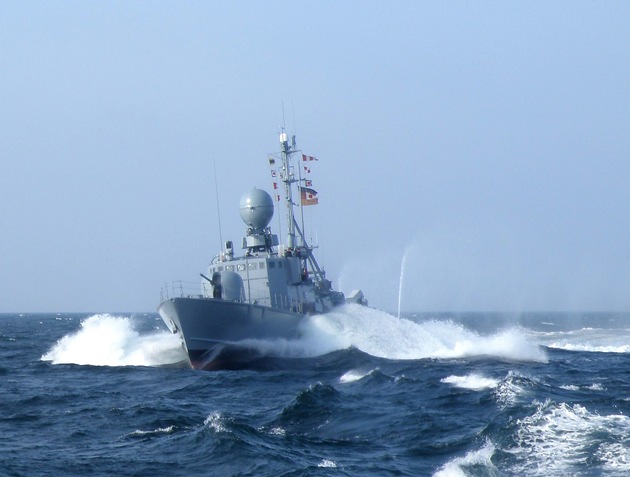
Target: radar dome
256	208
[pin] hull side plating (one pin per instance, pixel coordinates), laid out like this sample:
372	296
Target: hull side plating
215	333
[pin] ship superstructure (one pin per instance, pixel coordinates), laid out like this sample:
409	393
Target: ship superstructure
264	292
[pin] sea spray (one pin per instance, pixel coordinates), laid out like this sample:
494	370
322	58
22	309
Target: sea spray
400	281
383	335
106	340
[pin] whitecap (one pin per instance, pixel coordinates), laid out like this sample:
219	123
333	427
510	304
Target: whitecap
474	381
510	389
457	467
590	348
354	375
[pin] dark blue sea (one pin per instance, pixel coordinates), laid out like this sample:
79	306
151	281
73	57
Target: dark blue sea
363	393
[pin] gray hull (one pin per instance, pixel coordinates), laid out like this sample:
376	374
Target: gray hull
214	332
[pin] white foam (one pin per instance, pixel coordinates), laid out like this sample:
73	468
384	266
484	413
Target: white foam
592	387
456	467
327	464
215	422
106	340
160	430
590	348
354	375
383	335
590	340
278	431
509	390
473	381
559	438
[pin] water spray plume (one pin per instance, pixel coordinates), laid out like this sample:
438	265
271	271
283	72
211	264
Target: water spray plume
400	281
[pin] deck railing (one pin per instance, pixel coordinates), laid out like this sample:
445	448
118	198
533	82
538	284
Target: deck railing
184	289
179	288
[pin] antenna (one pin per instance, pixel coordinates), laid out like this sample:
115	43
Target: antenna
294	126
216	191
284	123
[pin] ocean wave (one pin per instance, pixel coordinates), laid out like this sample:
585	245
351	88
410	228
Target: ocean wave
560	439
513	388
473	459
312	403
355	375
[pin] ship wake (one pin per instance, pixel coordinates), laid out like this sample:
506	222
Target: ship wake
382	335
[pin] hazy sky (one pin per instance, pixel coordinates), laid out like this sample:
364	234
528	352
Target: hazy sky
488	143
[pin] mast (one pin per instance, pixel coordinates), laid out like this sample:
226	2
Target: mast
304	250
288	179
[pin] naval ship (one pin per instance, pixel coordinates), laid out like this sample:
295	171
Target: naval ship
264	293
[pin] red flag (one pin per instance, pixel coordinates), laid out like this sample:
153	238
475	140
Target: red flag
274	173
308	183
275	185
308	158
309	196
